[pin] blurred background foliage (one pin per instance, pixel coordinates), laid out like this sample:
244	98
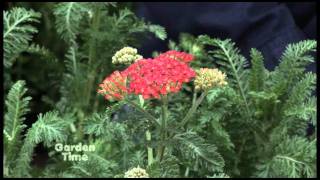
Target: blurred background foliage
40	72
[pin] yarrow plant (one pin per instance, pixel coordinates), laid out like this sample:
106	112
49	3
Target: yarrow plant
201	109
155	78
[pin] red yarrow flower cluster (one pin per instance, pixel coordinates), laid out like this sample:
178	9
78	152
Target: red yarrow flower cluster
114	87
151	77
180	56
160	76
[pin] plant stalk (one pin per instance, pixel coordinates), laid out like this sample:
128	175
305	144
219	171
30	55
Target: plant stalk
193	109
150	151
163	132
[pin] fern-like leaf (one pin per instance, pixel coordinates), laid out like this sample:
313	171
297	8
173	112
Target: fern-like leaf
232	63
17	107
299	109
101	124
102	167
69	16
167	168
292	64
159	31
17	32
40	50
257	77
301	90
294	158
194	146
47	129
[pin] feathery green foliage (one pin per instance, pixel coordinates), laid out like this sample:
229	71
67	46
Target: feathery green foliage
17	107
196	148
292	64
48	128
102	167
294	157
257	72
69	16
229	59
158	31
102	125
17	32
280	99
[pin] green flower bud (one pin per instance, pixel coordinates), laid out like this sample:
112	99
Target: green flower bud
126	55
209	78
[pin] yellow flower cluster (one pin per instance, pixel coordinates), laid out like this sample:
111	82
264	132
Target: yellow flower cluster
126	56
209	78
136	173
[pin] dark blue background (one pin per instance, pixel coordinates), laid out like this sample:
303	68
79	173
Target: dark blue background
268	26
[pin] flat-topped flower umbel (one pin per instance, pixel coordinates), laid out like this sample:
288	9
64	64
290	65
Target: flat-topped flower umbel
160	76
180	56
209	78
114	87
150	77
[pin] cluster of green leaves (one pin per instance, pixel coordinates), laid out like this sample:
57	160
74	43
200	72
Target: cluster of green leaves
47	129
17	32
259	121
270	110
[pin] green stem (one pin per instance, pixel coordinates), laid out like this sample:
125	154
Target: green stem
193	109
95	27
164	110
150	152
194	97
234	70
253	127
186	174
92	72
80	128
290	159
92	55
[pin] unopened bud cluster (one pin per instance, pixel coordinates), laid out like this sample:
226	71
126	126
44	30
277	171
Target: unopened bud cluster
209	78
136	173
126	56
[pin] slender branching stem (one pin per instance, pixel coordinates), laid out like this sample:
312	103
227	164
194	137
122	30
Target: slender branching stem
163	131
149	149
193	109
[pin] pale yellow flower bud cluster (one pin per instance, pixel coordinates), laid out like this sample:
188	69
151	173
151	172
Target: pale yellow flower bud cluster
209	78
136	173
126	56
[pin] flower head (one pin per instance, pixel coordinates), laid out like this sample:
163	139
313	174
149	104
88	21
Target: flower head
136	173
126	55
150	77
209	78
180	56
114	86
160	76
